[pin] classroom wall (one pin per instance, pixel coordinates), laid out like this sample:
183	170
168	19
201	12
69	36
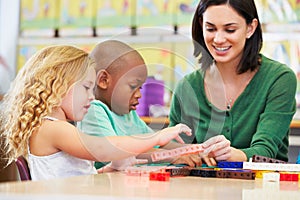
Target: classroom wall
9	34
9	25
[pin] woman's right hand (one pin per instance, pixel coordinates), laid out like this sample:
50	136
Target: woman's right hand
217	147
170	133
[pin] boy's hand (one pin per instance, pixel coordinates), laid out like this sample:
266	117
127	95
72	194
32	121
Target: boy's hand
193	160
208	160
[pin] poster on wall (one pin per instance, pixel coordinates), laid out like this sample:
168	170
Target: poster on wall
157	57
278	50
185	10
39	14
279	11
114	13
154	13
77	17
296	8
184	61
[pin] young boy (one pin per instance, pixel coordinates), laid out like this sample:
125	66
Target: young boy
121	72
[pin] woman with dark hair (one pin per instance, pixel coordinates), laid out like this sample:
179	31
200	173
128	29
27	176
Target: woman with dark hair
238	93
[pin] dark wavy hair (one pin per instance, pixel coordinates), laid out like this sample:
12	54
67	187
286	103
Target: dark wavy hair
245	8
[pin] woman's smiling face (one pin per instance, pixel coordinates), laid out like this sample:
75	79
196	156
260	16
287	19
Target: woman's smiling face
225	33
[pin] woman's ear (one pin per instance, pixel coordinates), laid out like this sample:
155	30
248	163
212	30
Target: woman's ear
251	28
103	79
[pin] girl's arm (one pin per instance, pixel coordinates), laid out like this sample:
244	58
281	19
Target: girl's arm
69	139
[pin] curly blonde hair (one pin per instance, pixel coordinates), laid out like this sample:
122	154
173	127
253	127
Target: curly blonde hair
38	88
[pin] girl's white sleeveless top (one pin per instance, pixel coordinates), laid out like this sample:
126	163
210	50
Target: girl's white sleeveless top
58	165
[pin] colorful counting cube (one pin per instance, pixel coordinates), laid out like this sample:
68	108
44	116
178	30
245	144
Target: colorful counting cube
285	176
159	176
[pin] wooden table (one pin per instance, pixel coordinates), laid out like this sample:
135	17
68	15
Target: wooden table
120	186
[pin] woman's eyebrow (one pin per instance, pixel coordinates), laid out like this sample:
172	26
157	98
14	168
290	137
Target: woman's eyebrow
229	24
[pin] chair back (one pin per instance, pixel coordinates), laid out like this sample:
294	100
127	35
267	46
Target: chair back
23	169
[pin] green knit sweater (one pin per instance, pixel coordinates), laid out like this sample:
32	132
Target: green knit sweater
258	123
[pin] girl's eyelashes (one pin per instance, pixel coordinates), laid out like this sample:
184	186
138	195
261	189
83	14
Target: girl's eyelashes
87	87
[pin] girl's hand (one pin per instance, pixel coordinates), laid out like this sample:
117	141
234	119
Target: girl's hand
217	147
170	133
